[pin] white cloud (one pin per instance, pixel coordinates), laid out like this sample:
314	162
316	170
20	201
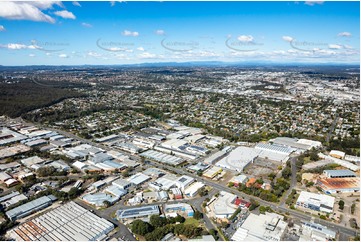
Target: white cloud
140	48
349	47
160	32
207	54
312	3
2	28
86	25
75	3
345	34
33	47
94	54
326	52
287	38
65	14
46	4
32	55
13	46
112	3
245	38
115	49
280	52
130	33
147	55
26	11
334	46
16	46
63	56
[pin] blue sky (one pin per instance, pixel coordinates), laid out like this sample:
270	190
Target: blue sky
77	33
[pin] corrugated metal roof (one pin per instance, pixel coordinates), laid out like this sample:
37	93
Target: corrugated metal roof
339	173
69	222
27	207
339	183
138	212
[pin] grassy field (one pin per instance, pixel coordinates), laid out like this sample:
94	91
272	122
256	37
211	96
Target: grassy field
192	221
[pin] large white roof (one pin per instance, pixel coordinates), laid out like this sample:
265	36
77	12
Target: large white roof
316	199
269	226
138	178
238	158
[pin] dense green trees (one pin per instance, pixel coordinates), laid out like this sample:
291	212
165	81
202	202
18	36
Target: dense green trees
187	230
157	221
18	98
177	219
159	226
74	192
263	209
287	172
341	204
140	227
214	233
279	188
353	207
350	145
254	204
50	171
197	215
202	191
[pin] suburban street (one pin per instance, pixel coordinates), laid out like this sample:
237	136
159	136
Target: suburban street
293	161
332	128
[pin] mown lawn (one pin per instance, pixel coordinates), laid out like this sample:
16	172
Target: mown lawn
192	221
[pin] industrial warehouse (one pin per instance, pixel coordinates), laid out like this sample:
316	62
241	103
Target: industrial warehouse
138	212
161	157
30	207
339	185
318	202
69	222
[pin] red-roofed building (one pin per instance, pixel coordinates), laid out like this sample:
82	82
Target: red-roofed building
242	203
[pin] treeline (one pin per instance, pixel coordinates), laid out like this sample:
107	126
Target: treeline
350	146
65	113
158	227
18	98
278	188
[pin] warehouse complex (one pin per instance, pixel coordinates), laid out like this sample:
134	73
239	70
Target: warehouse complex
69	222
316	232
239	158
339	185
161	157
266	227
274	152
30	207
300	144
138	212
339	173
183	209
223	206
318	202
